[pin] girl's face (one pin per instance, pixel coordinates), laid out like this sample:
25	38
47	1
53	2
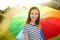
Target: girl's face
34	15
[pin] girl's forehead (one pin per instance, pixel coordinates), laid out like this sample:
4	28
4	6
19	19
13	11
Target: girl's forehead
34	10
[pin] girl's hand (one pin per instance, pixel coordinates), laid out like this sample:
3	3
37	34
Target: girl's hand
26	37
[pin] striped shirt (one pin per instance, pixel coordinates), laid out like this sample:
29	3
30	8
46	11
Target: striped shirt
32	31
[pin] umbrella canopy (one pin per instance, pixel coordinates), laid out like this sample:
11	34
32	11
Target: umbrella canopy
50	23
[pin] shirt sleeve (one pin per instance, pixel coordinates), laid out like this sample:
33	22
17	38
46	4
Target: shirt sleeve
25	30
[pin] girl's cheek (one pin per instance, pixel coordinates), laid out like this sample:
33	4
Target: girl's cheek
36	16
31	15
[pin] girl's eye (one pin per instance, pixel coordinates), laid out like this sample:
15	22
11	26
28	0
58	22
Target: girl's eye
35	13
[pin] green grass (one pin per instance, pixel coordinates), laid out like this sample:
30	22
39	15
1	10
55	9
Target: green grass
56	38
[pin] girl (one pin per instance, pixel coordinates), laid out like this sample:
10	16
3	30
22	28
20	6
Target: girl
31	29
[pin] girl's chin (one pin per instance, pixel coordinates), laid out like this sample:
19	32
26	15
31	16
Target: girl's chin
33	20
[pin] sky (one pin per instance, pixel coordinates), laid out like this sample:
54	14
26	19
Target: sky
5	3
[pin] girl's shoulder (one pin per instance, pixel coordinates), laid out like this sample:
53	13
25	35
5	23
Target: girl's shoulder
27	25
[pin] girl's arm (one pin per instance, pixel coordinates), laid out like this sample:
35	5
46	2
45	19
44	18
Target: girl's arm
25	36
25	32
